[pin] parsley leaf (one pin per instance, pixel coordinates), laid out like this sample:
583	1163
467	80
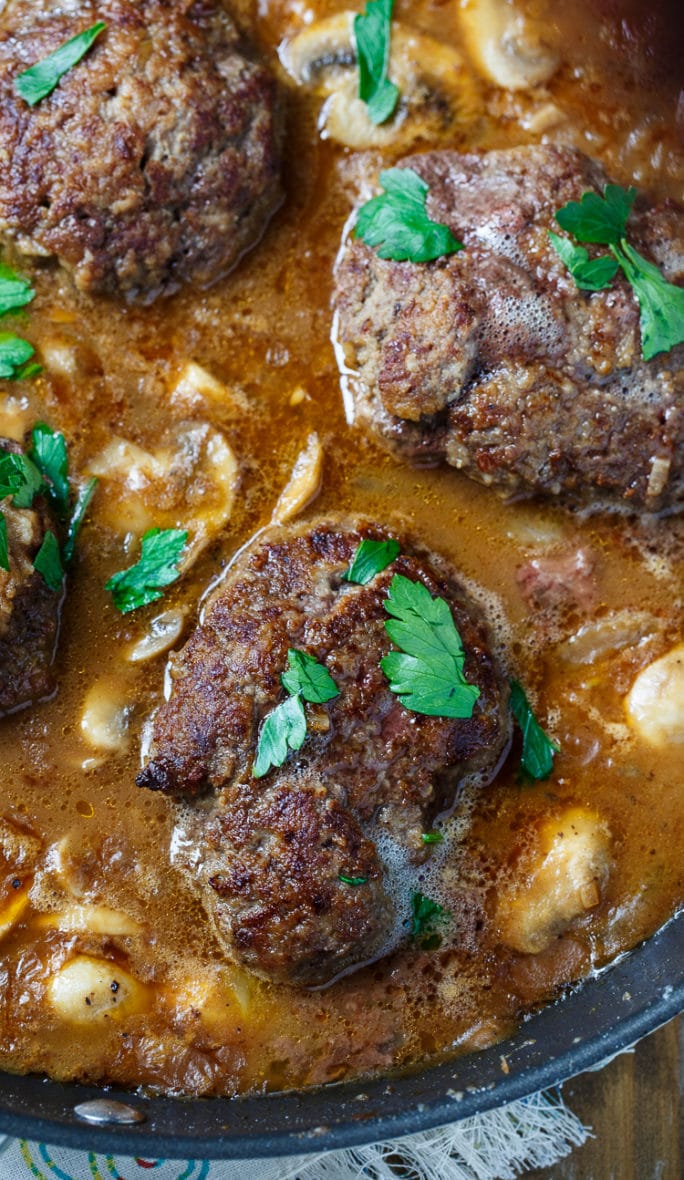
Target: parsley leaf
352	880
538	748
397	224
80	508
19	478
41	79
427	674
598	219
604	219
432	837
590	274
161	550
15	291
49	453
15	354
309	678
661	304
371	558
372	32
425	914
4	547
283	729
49	563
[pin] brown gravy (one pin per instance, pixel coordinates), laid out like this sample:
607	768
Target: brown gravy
200	1025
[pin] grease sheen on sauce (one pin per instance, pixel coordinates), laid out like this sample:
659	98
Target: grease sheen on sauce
264	332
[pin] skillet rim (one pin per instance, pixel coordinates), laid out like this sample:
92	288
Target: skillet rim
645	987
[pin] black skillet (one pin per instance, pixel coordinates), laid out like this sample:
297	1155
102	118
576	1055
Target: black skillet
594	1021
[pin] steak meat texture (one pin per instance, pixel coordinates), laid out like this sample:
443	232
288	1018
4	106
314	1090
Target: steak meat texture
155	162
370	774
29	609
494	361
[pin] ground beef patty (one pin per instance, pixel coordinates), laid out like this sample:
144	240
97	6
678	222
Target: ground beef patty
273	849
156	160
29	609
494	361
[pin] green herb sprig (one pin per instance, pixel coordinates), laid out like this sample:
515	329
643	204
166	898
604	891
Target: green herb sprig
284	728
538	748
371	558
41	79
425	915
15	291
603	220
48	562
157	567
427	672
396	223
372	33
353	881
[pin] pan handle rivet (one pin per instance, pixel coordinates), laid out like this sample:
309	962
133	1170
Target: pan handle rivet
106	1110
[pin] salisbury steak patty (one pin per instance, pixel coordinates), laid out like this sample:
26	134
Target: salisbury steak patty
494	361
155	161
273	849
29	609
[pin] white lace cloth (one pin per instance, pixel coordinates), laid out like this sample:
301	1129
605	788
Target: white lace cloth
499	1145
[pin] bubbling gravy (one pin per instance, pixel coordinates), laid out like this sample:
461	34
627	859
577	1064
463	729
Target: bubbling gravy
192	413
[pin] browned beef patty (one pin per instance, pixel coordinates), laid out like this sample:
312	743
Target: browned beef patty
494	361
29	610
273	849
156	160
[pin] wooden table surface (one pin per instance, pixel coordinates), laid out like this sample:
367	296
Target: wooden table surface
635	1108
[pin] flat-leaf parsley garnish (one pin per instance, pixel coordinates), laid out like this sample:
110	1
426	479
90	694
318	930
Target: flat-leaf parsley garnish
396	223
15	358
42	78
161	551
83	498
371	558
49	453
590	274
48	562
284	729
372	33
538	748
19	478
425	915
427	672
306	676
15	291
604	220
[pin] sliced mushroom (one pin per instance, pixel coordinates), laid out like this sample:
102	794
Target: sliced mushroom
105	717
304	483
90	919
163	632
438	95
655	702
189	483
506	45
219	998
87	990
198	389
558	880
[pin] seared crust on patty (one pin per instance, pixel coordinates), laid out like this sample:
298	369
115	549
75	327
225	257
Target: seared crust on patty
273	848
493	360
156	160
29	609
